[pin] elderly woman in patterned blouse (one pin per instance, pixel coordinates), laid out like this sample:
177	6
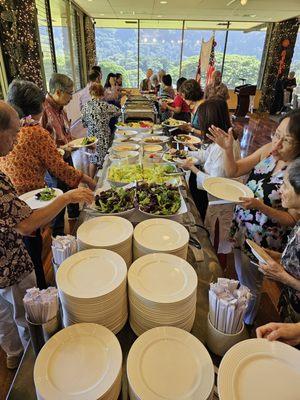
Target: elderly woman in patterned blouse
285	267
34	153
16	267
96	115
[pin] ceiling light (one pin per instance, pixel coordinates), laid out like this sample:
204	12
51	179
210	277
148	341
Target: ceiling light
244	2
159	16
121	12
102	14
163	2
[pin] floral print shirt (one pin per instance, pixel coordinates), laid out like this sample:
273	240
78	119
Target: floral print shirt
290	259
253	224
15	262
34	153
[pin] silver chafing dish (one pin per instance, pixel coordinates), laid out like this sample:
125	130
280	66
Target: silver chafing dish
138	108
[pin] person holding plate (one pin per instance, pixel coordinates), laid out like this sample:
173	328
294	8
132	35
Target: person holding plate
181	111
285	332
285	267
192	94
96	116
18	219
217	218
34	154
262	218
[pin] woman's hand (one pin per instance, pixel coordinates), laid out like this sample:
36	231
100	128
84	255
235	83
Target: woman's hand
185	128
251	203
286	333
88	181
273	270
187	164
79	195
220	137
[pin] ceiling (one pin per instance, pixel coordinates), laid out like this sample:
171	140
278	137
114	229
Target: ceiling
254	10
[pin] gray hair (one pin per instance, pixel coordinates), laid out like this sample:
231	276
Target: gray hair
154	80
294	174
25	97
60	82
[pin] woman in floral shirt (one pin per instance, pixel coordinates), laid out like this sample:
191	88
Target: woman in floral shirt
34	153
262	218
285	267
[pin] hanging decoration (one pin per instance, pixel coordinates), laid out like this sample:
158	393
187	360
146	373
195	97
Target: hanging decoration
282	38
211	64
285	44
90	42
20	40
206	60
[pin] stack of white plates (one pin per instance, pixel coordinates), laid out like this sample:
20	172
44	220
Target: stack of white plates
168	363
259	369
160	235
92	288
81	362
108	232
162	291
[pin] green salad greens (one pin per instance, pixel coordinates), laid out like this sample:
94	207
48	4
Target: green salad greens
46	194
158	199
88	140
115	200
131	173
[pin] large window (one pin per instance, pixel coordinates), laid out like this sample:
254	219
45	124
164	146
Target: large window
194	32
76	47
160	47
295	65
60	39
117	49
59	15
44	39
243	57
132	46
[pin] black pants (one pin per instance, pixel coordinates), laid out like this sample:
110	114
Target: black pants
34	246
199	196
58	227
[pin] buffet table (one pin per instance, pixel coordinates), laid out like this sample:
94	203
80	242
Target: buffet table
205	264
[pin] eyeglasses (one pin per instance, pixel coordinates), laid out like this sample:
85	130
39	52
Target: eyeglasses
278	137
69	93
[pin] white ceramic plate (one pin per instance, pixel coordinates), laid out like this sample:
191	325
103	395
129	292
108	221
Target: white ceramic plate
151	140
161	234
227	189
81	362
192	139
91	273
178	124
77	143
259	369
125	133
133	128
257	251
34	203
179	161
162	278
168	363
105	231
125	147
